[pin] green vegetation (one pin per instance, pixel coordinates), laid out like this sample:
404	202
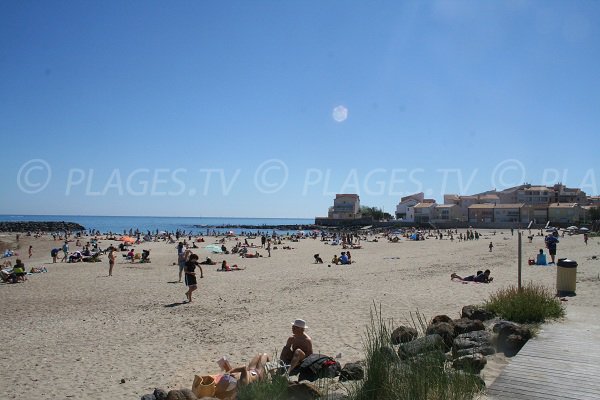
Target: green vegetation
273	389
376	213
534	303
424	377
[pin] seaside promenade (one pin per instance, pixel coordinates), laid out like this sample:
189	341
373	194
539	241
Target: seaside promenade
561	362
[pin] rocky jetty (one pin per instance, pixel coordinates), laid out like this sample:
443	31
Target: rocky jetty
37	226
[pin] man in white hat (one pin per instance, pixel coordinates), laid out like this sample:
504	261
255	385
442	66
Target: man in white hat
298	346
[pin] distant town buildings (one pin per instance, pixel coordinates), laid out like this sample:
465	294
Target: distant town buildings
516	205
519	204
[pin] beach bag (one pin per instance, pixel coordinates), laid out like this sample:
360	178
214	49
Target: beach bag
226	388
204	386
318	366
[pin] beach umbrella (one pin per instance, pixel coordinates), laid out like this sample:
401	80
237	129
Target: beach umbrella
127	239
584	229
572	228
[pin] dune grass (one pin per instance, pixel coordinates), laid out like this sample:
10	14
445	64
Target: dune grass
425	377
534	303
275	389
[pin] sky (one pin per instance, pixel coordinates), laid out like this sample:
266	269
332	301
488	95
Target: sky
270	108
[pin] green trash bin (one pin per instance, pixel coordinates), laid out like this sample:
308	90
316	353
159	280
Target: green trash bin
566	277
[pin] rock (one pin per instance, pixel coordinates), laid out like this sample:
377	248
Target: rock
485	350
514	344
473	342
465	325
476	312
44	226
404	334
148	397
122	380
302	391
160	394
441	318
511	337
352	372
189	395
421	345
472	363
175	395
445	330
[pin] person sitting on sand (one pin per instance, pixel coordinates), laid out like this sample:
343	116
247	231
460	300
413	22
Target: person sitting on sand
298	346
8	276
19	271
481	277
344	258
318	259
335	260
541	258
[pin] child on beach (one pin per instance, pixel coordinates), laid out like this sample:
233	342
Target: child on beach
491	246
190	275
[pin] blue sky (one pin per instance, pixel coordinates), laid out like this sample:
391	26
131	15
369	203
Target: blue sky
210	108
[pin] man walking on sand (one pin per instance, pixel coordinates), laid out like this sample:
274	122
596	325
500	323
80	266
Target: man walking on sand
298	346
551	241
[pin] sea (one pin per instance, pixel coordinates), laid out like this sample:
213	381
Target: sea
189	225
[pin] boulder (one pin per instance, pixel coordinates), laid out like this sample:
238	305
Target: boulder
485	350
511	337
404	334
421	345
513	344
352	372
445	330
465	325
148	397
175	395
189	395
441	318
472	363
476	312
473	342
160	394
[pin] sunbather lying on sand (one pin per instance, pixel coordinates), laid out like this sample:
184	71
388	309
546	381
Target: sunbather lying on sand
226	267
481	277
254	371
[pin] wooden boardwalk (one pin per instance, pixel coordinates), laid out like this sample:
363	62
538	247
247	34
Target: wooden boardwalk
562	362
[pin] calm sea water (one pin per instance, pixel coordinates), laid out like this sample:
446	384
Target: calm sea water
168	224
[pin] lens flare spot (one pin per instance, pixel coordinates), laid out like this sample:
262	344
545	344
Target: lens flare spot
340	113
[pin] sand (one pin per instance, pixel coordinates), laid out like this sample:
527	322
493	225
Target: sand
76	333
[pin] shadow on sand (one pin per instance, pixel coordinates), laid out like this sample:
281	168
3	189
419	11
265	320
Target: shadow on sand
176	304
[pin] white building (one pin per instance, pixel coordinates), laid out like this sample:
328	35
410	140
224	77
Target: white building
405	209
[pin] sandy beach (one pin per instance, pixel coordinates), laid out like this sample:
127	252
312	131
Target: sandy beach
75	332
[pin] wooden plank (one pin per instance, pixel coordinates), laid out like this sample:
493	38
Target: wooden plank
562	362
